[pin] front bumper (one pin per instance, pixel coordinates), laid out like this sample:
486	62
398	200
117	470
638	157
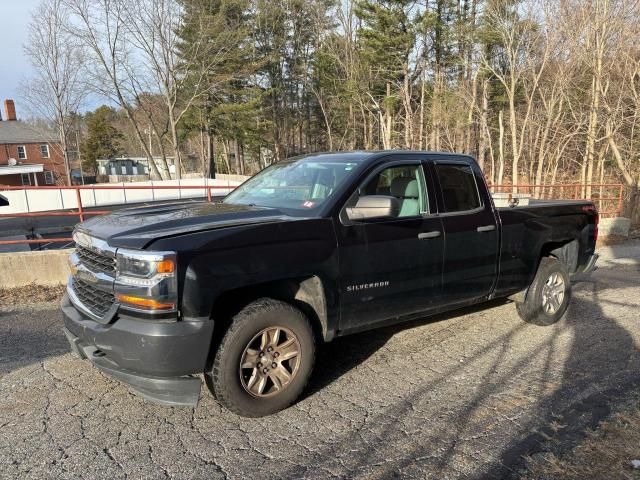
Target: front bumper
156	359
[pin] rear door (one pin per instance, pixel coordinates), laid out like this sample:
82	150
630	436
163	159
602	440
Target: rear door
391	267
470	229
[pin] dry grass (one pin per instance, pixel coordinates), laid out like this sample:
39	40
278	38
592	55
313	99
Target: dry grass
605	453
30	294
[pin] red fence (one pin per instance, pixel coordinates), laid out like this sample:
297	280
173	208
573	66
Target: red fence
81	211
606	196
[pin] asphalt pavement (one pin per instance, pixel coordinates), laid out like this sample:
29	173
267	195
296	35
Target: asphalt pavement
466	395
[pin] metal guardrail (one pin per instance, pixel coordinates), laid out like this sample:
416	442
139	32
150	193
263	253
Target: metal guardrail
609	204
81	212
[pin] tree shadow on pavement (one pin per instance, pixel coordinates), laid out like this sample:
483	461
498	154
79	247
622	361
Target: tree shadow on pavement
602	368
336	358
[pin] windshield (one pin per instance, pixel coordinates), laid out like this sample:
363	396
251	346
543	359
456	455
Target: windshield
299	185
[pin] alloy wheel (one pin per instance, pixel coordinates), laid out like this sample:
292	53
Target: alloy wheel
553	294
270	362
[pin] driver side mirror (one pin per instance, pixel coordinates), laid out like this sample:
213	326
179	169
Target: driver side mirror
3	201
374	206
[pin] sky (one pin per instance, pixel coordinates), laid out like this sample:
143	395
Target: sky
15	16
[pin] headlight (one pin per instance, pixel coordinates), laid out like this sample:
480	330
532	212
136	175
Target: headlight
144	266
146	280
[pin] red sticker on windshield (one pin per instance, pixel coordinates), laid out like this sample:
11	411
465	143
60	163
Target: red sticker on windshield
308	204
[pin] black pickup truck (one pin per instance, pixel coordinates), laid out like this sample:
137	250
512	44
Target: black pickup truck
310	248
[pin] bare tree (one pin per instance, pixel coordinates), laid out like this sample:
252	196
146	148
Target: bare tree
180	72
100	25
588	27
153	27
524	55
57	89
622	106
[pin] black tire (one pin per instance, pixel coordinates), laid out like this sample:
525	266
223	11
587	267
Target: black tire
228	382
533	309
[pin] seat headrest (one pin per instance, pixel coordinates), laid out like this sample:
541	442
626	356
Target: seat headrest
405	187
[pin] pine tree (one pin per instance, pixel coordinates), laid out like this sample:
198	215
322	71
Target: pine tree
286	36
387	37
227	109
103	139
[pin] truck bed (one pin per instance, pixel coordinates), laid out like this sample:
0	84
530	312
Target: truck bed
526	228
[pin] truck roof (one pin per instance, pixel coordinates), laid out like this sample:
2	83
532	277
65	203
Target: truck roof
368	155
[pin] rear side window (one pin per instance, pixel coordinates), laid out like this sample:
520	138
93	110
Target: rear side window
459	189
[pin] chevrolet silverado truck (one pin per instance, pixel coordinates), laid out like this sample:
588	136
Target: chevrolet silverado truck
309	249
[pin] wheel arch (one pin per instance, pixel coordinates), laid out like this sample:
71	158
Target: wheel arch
566	251
306	293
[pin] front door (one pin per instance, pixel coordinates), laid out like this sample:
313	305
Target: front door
391	267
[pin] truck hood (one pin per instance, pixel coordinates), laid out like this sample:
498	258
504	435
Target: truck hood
137	227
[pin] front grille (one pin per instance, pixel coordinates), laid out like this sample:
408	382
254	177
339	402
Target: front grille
97	301
96	262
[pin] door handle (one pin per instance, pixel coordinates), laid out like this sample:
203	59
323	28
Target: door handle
427	235
486	228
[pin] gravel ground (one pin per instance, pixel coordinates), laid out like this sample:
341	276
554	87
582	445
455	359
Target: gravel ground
30	294
462	396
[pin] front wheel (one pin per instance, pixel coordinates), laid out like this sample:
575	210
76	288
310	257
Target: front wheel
264	360
548	295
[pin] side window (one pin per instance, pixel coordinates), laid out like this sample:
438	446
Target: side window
406	183
459	190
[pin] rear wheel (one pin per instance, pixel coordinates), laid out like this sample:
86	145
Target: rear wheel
548	295
264	360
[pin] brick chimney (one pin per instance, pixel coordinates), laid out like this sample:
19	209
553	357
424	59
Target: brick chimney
10	110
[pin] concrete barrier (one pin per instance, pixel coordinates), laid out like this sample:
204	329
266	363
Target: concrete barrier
617	227
48	267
